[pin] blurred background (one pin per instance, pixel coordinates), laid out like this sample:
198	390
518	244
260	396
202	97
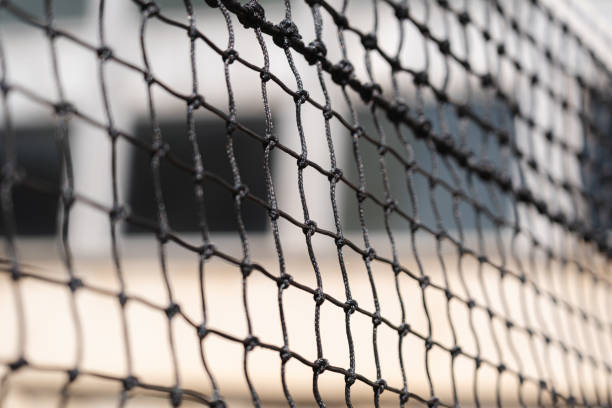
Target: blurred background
162	352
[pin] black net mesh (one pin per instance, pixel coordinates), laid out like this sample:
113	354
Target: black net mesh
465	165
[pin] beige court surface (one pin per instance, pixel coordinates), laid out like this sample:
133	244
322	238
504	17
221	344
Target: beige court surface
50	336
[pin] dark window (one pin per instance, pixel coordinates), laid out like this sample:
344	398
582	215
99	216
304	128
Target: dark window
475	142
177	185
179	4
36	8
596	173
35	213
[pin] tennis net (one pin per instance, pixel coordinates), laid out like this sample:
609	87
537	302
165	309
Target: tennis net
388	202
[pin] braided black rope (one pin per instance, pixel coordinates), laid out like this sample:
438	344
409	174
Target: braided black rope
564	249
